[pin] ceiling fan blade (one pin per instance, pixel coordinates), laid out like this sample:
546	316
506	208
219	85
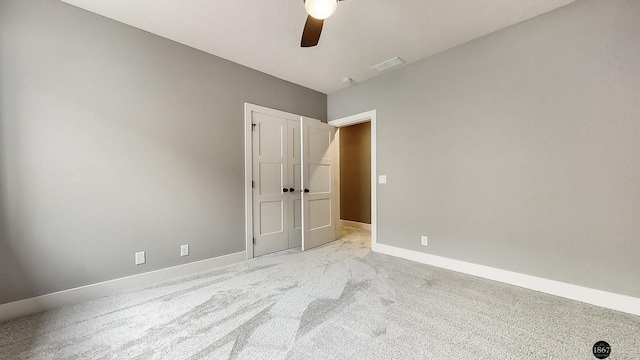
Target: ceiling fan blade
311	32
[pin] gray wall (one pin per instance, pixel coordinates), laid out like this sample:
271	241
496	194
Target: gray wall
355	173
112	141
520	150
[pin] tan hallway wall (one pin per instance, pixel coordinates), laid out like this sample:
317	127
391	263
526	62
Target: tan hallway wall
355	173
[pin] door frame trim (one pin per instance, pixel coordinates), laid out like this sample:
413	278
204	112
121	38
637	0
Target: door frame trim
248	166
357	119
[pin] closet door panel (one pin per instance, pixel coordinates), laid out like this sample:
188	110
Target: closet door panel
270	171
295	183
319	226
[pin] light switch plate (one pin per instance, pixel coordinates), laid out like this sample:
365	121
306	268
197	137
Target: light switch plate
382	179
141	258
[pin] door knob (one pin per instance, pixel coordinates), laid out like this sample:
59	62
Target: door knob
292	189
306	190
285	190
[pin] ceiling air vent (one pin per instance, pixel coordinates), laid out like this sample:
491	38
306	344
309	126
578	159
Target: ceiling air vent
389	64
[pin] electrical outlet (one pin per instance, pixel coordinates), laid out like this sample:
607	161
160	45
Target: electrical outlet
184	250
141	258
424	241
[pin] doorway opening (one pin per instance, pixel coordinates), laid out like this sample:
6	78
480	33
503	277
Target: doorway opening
354	142
356	139
355	175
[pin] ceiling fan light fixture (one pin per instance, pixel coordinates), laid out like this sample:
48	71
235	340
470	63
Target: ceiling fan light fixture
320	9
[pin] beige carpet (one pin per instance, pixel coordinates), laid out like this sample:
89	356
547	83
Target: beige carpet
339	301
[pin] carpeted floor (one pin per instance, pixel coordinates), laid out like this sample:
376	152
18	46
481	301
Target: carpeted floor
339	301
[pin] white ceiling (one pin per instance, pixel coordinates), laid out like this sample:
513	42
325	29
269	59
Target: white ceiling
265	34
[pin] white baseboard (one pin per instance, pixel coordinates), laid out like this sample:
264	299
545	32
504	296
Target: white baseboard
354	224
94	291
600	298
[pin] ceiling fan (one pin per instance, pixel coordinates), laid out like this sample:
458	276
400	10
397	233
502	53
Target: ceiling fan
318	11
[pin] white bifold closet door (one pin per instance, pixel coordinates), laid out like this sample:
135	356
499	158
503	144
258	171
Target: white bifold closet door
283	159
318	208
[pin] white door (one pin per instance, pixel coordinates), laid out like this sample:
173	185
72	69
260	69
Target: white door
270	201
317	178
294	182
